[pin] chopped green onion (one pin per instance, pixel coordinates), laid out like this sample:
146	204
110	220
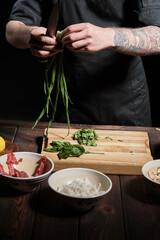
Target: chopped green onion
109	138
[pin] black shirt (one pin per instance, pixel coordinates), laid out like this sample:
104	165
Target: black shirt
105	87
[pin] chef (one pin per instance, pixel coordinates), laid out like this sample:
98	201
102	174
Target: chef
103	43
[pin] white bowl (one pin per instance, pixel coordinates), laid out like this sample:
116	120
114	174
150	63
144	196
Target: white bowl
148	166
29	164
68	175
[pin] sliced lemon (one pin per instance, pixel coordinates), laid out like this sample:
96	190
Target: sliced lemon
2	144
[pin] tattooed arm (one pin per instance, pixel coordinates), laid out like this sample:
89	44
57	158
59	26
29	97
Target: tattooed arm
138	41
86	37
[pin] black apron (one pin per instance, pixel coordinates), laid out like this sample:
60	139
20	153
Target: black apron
105	87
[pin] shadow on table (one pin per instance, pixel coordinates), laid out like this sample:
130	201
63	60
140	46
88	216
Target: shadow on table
141	190
47	204
39	141
7	191
42	202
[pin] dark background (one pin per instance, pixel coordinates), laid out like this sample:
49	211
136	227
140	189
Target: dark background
21	81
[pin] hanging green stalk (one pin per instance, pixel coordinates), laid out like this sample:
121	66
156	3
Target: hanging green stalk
54	77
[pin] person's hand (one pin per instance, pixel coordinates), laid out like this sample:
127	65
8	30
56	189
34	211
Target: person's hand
41	45
86	37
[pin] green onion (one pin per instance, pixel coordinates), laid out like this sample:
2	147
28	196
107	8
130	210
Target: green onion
54	77
109	138
86	137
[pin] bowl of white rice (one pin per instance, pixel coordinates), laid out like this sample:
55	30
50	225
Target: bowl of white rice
80	188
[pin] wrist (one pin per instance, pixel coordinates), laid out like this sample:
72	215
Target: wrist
109	38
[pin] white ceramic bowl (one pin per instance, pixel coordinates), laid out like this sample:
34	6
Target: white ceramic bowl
148	166
68	175
29	164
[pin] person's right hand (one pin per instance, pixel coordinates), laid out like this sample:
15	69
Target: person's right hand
41	45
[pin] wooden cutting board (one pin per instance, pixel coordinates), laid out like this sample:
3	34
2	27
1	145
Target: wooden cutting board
10	147
125	152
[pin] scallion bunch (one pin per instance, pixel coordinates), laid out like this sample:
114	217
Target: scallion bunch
55	78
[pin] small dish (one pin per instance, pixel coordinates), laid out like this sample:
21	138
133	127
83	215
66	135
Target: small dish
28	165
68	175
148	167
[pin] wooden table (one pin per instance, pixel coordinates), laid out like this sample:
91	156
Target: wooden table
131	210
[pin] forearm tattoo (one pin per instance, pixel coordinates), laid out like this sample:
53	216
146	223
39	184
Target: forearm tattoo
138	41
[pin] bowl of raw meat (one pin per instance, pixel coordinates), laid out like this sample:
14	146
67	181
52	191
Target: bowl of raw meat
24	171
80	188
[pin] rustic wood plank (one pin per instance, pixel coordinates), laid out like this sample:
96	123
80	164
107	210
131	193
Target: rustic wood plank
24	216
105	221
8	132
154	135
29	140
29	215
17	216
43	125
16	213
54	220
141	208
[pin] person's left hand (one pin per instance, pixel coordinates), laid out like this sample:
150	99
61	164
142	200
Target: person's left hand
86	37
